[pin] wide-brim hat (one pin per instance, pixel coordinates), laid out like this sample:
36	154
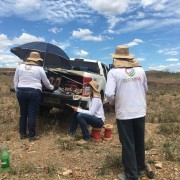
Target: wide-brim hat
31	62
95	87
34	56
125	63
122	52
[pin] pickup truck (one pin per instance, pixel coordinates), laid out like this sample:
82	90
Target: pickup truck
71	85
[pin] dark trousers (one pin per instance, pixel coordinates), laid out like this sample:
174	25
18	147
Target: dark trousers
84	120
131	135
29	100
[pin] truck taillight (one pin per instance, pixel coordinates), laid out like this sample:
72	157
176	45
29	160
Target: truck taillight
86	88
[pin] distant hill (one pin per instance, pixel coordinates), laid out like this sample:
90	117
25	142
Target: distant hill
162	74
157	77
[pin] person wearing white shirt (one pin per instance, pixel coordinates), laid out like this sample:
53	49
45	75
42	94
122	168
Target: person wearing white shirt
28	80
126	91
94	116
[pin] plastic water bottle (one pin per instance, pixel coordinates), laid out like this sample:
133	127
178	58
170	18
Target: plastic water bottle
5	165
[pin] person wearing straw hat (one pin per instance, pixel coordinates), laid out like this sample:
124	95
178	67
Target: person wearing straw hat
94	116
28	87
126	91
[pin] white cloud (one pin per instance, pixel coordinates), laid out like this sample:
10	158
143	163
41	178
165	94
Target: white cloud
60	11
50	10
62	45
4	41
108	7
172	59
86	35
113	20
135	42
81	32
159	23
140	15
55	30
92	38
169	67
169	51
25	38
136	25
7	59
81	53
147	2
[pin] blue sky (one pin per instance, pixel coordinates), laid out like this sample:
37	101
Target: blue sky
92	29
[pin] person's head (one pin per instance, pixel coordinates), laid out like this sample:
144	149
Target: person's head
34	59
122	58
94	86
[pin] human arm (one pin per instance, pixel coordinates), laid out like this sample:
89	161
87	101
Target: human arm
145	82
110	88
95	103
16	78
45	80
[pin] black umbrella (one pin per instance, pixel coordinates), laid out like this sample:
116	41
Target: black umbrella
53	56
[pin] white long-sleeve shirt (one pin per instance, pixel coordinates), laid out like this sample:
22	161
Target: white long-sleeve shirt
30	77
95	108
126	89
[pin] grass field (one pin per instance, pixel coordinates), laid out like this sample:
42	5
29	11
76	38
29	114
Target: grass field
55	156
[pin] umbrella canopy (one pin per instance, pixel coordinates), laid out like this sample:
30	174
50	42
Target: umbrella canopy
53	56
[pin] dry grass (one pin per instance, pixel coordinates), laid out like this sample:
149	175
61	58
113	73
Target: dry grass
53	154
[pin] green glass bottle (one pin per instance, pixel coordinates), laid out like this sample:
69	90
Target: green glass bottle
5	165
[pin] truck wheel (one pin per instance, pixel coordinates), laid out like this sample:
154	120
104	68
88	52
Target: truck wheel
68	114
44	110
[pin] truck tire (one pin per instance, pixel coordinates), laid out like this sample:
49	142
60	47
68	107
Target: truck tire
44	110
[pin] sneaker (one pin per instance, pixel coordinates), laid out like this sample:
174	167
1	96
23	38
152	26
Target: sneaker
143	175
23	136
122	177
33	138
81	142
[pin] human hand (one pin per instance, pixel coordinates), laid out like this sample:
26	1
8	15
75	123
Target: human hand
74	108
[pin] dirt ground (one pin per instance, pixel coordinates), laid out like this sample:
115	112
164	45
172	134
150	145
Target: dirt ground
56	157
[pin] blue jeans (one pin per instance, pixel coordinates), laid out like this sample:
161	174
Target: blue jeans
84	120
131	135
29	100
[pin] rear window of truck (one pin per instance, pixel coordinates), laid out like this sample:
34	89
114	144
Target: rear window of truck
85	66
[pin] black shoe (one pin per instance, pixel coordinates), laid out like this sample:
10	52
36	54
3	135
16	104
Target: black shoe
33	138
23	136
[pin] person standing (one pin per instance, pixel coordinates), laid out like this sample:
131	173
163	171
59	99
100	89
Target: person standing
126	90
28	87
94	116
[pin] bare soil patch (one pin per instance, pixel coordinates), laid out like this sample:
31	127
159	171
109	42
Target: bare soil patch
55	156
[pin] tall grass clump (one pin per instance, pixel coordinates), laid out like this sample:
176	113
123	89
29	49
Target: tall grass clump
112	162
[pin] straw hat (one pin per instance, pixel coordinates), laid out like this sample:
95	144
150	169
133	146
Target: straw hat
95	87
122	58
125	63
122	52
33	58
